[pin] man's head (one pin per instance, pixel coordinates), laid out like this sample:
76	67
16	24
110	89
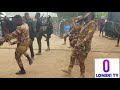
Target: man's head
26	15
79	19
37	15
18	20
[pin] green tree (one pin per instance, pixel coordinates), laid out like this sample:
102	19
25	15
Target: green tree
67	15
101	14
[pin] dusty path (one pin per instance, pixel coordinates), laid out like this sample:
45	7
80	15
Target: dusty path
50	64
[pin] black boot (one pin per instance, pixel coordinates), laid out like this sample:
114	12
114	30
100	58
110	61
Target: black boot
22	71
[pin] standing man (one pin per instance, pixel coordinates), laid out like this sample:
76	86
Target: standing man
5	26
48	31
61	28
67	32
102	23
83	45
30	23
39	32
23	41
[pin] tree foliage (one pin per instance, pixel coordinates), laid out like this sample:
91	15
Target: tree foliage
67	15
101	14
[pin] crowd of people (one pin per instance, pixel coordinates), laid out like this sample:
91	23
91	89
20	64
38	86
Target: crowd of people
80	31
108	28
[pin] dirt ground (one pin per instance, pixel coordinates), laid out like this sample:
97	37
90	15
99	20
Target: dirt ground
50	63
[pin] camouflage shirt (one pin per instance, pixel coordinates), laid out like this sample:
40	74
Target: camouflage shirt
83	44
87	32
21	34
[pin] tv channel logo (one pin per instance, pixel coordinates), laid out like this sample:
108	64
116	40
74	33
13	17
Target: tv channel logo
107	68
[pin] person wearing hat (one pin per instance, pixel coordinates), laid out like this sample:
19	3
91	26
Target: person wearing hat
23	41
83	45
73	35
73	32
75	29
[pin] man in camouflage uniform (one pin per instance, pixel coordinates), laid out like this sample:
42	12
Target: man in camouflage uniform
23	41
73	34
83	45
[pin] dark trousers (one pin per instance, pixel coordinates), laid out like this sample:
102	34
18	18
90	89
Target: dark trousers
48	40
65	37
31	49
39	44
61	32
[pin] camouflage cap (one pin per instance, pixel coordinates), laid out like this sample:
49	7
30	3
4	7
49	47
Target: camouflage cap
80	17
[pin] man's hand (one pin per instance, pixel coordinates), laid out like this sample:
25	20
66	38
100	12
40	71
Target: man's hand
73	42
7	37
79	44
12	43
2	41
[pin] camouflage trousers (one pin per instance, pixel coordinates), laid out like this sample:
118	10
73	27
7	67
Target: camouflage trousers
20	50
79	54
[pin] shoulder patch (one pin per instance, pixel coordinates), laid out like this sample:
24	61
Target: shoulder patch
90	30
